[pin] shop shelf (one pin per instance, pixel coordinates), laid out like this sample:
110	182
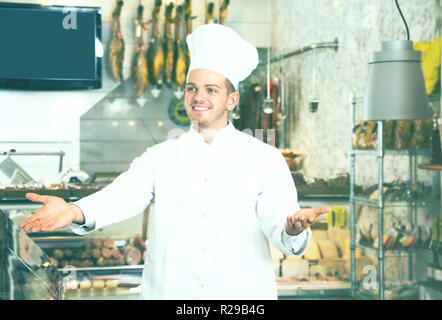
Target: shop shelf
393	152
413	256
394	203
395	251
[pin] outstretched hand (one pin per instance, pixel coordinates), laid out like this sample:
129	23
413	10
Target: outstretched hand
303	219
54	214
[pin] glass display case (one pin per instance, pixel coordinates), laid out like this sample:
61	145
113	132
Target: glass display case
26	272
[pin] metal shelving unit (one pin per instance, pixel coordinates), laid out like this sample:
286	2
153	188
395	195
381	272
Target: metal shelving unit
381	204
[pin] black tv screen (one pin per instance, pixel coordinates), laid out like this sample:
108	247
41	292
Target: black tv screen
52	47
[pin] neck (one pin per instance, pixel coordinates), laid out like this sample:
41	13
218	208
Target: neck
207	133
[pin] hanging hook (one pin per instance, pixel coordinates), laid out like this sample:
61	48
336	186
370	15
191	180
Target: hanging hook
268	101
403	19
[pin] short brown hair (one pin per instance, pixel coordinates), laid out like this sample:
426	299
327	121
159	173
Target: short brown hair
230	87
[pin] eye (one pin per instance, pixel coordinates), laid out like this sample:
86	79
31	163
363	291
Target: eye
211	90
190	89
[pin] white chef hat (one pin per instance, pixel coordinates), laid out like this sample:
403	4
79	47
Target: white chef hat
219	48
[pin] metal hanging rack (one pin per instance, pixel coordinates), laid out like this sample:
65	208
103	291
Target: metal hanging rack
320	45
12	152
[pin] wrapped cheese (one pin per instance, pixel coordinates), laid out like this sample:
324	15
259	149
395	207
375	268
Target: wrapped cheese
346	253
334	267
328	249
318	270
293	258
339	236
295	269
320	235
312	252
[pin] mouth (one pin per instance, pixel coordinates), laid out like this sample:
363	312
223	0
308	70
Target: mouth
200	108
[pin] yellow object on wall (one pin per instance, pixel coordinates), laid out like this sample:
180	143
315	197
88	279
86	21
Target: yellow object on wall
430	62
336	217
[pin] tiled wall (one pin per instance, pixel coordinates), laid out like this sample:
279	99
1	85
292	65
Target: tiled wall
359	25
102	130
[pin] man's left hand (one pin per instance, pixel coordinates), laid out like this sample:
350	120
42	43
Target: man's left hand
303	219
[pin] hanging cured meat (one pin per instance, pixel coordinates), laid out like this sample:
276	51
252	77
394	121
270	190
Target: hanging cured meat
210	13
116	53
155	52
181	58
139	67
188	15
168	46
223	11
188	29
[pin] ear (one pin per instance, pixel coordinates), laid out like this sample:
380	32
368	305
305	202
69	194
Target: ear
232	100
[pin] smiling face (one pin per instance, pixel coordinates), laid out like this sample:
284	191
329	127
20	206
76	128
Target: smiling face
207	99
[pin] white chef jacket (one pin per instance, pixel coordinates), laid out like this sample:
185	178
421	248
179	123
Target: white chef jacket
217	206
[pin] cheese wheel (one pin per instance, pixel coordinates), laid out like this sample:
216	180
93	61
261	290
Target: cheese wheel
328	249
318	270
339	236
320	235
346	253
312	252
295	269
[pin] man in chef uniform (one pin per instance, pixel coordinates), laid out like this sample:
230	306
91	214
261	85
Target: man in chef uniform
220	194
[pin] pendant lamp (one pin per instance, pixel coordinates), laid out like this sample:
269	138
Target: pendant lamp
396	88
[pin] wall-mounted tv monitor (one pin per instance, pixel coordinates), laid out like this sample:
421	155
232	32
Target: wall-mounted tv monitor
50	47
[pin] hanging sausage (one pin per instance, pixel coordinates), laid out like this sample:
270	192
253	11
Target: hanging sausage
188	28
168	46
139	67
155	53
210	13
223	11
116	53
181	53
188	15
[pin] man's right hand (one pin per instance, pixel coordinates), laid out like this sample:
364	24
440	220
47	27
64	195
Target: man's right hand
54	214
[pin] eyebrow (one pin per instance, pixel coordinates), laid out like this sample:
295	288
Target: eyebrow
207	85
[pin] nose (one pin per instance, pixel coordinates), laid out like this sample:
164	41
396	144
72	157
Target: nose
198	97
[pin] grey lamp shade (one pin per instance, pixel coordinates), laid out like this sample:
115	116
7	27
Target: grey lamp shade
395	88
